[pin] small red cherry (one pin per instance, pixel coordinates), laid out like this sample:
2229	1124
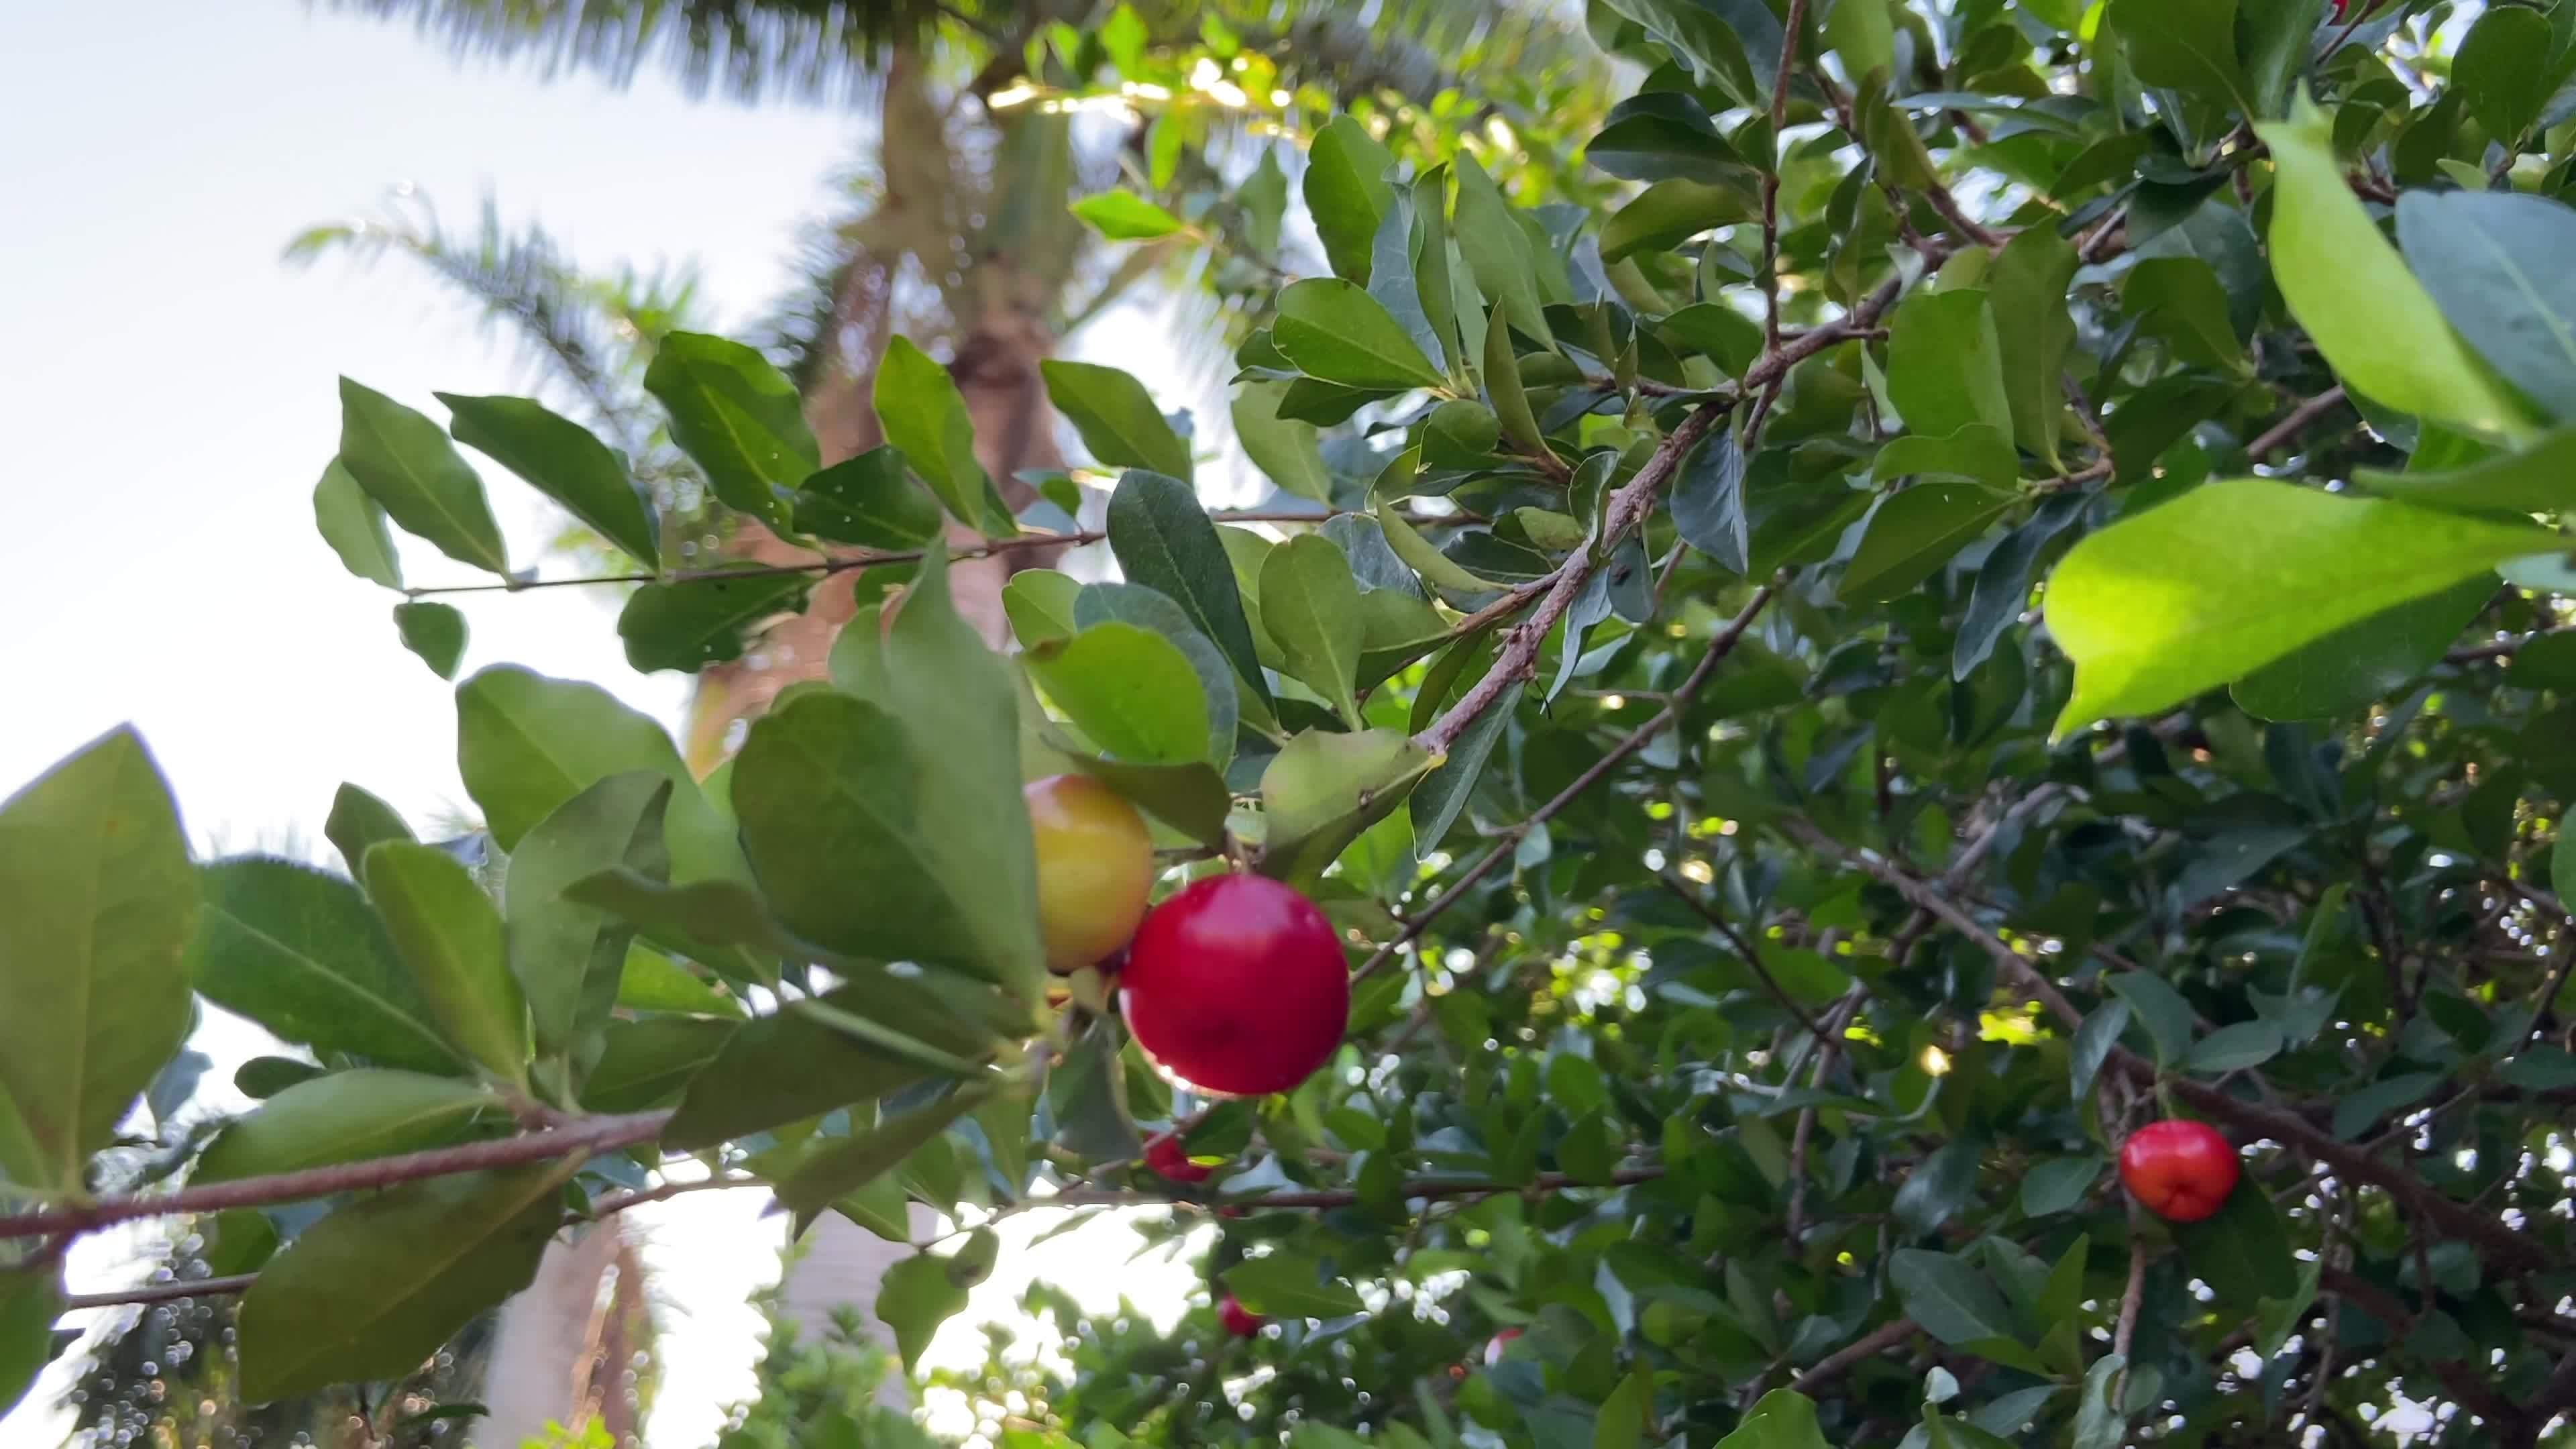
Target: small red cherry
1494	1345
1166	1155
1240	1321
2181	1171
1237	986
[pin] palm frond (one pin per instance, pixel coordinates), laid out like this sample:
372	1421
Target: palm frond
817	50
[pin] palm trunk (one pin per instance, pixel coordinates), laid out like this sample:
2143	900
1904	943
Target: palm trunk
546	1348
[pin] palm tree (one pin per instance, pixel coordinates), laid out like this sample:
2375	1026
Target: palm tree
955	231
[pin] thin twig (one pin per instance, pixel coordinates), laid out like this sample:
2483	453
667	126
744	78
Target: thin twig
584	1138
2295	423
2126	1335
162	1292
1745	949
1834	1365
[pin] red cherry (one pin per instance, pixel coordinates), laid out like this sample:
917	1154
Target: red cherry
2181	1171
1237	986
1494	1346
1240	1321
1166	1155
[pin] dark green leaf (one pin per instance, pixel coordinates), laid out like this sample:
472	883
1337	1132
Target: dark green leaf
358	820
706	620
2242	1250
2028	281
924	1291
1310	604
1290	1285
844	1165
559	458
1945	363
1938	1187
925	417
739	417
97	907
2359	663
354	525
1285	451
2357	1111
1949	1297
1440	799
1336	332
1661	135
448	936
2160	1009
2508	67
31	1298
1116	417
372	1290
2495	263
2189	45
300	952
646	1063
2233	1047
1914	533
1498	253
870	500
1670	212
2059	1184
1164	541
406	464
1708	502
435	632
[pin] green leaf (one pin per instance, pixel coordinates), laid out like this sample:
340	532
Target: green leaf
1122	215
2234	1047
435	632
2495	263
1290	1285
2242	1250
648	981
358	820
1321	790
1949	1297
924	1291
2099	1424
689	625
2179	300
2363	662
1945	362
1785	1418
526	743
842	818
1728	337
1916	532
2507	69
1436	568
31	1298
1039	604
406	464
844	1165
2189	45
738	417
1134	693
2160	1009
2233	575
1660	135
1976	452
1938	1187
372	1290
1498	252
354	525
1443	794
646	1063
344	1117
2027	282
559	458
97	907
1436	283
1285	451
1721	42
2539	479
2360	1109
1310	604
1669	212
2059	1184
1347	195
1628	1413
2362	308
1708	502
924	415
569	957
1335	331
1164	541
870	500
301	953
782	1068
1116	417
1862	33
1502	374
449	938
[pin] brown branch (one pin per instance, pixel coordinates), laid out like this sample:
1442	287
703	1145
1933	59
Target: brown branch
2295	422
162	1292
2125	1336
1746	949
1834	1365
584	1138
1518	658
1719	646
618	1202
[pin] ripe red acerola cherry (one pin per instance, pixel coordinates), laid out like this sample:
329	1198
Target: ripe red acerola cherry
1166	1155
1494	1345
1237	986
1240	1321
2181	1171
1095	868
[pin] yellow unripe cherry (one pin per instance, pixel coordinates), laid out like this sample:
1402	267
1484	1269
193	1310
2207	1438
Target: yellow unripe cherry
1095	868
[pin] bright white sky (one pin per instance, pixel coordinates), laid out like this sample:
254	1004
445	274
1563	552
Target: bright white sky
169	401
